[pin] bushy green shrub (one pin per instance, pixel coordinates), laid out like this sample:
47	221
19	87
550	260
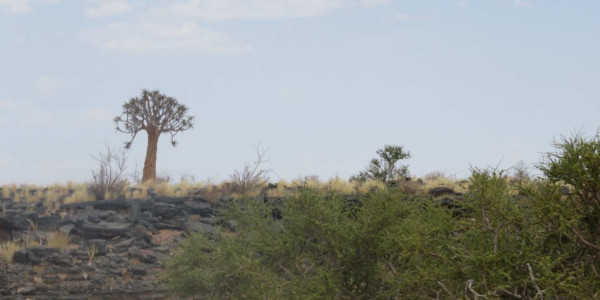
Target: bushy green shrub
529	241
385	167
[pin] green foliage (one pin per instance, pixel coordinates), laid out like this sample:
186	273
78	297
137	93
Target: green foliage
384	168
576	162
498	241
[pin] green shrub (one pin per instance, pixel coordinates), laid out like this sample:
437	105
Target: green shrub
385	167
529	241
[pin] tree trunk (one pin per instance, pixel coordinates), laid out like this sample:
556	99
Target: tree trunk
150	162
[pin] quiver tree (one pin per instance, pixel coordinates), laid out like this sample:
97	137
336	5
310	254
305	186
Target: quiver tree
156	114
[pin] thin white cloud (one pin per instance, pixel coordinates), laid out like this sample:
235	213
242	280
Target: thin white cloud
462	3
416	18
374	3
220	10
174	28
52	84
523	3
108	8
13	106
141	37
17	7
97	114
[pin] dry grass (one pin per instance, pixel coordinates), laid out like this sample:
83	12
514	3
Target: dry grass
8	249
78	196
439	179
58	240
91	251
55	195
165	237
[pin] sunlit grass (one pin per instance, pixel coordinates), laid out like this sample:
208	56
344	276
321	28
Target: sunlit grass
58	240
57	194
8	249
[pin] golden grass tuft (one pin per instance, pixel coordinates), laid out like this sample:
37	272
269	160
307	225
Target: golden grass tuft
8	249
80	195
58	240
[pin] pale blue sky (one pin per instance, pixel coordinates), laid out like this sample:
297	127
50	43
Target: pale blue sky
323	83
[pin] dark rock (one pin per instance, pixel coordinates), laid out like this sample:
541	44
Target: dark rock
139	270
93	219
13	222
447	202
169	200
439	191
32	258
144	256
166	211
200	227
141	234
49	223
202	209
43	252
66	228
117	205
98	244
122	246
20	257
60	260
27	289
102	230
51	278
173	224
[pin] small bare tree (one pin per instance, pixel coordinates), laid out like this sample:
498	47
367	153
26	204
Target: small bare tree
252	176
156	114
109	179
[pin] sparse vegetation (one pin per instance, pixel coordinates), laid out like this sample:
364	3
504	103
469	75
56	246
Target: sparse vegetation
8	249
109	179
58	240
252	176
91	250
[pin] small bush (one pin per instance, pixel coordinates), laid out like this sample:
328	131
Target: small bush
252	177
109	179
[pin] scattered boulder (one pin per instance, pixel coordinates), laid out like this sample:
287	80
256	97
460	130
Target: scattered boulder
139	270
48	223
103	230
440	191
13	222
20	257
43	252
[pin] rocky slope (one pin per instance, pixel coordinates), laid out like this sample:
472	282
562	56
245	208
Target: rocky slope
115	251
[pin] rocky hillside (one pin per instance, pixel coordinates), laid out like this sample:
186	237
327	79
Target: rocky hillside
114	250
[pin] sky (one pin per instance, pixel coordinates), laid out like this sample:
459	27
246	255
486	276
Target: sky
321	84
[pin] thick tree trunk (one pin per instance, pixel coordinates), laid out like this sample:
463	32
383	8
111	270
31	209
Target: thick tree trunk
150	162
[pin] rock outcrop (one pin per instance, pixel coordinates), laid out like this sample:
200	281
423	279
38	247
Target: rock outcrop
115	249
